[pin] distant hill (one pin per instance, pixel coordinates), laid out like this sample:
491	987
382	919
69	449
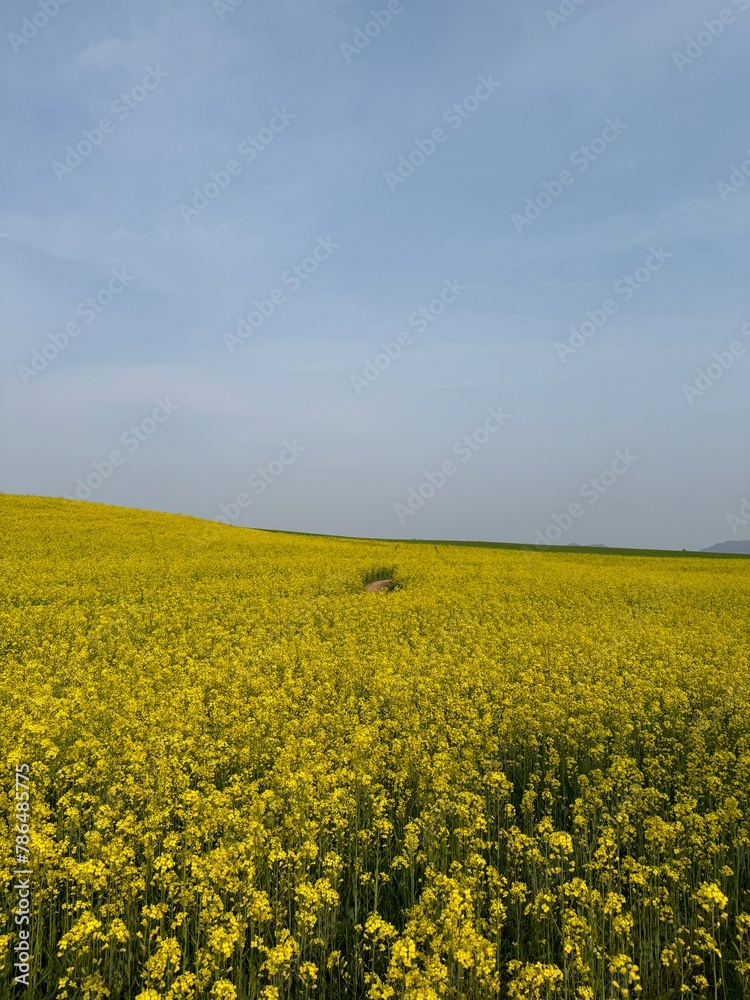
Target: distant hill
738	548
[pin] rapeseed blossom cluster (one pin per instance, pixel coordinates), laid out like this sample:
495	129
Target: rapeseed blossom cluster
520	775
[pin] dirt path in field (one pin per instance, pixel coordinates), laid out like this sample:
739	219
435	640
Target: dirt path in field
378	586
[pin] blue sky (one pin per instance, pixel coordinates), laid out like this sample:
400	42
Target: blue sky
601	127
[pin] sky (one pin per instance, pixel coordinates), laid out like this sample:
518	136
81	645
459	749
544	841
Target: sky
410	270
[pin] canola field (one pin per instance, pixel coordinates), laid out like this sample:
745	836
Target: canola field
520	775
